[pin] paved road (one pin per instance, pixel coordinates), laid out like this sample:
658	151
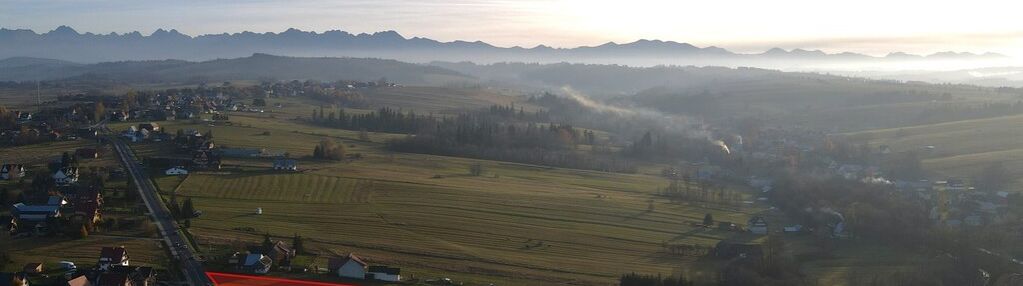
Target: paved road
193	270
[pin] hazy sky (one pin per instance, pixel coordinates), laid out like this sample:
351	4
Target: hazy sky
866	26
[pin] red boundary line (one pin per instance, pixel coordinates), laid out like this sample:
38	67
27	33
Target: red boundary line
210	275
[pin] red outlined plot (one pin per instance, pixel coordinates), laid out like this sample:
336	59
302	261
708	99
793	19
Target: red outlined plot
231	279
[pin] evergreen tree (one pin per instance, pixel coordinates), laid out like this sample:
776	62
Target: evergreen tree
175	210
267	243
187	210
708	220
298	244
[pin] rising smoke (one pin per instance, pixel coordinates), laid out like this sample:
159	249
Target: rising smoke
689	126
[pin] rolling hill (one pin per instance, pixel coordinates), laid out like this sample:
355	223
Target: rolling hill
257	66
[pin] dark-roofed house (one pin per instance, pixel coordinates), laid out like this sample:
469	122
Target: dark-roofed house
116	275
34	213
86	205
127	276
281	253
33	268
206	160
151	126
757	225
350	266
12	171
65	176
384	273
11	279
110	256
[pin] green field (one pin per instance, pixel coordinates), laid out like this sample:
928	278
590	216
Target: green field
961	148
516	223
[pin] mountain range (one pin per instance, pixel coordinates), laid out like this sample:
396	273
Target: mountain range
65	43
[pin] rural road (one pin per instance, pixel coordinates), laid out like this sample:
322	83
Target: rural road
193	269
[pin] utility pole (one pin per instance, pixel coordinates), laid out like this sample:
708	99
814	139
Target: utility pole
39	100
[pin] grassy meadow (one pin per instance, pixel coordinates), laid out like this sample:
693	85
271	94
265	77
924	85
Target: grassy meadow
515	223
961	148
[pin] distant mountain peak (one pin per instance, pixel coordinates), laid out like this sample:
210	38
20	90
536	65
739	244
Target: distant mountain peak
775	51
171	44
63	30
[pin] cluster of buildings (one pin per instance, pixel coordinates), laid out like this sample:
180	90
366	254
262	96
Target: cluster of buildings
353	267
261	260
112	269
42	212
955	204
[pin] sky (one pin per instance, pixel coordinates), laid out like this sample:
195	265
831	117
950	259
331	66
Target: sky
873	27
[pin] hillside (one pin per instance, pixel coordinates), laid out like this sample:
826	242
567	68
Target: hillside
255	67
822	101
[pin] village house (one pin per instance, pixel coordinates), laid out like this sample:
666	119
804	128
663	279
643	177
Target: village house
151	126
12	171
86	203
206	160
116	275
350	266
254	263
284	164
110	256
33	268
65	176
757	225
23	116
87	132
384	273
119	116
20	278
281	253
26	218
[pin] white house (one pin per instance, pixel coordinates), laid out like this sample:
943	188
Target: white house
757	225
285	164
65	176
384	273
176	171
350	266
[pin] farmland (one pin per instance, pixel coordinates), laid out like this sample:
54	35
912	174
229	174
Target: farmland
514	224
425	212
961	148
